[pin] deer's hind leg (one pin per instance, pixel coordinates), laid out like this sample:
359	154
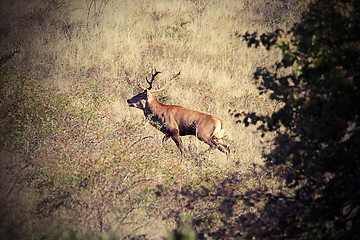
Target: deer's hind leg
219	144
214	142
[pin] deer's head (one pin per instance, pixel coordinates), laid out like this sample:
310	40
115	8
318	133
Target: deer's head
143	99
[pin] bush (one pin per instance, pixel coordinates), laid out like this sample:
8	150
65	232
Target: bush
316	149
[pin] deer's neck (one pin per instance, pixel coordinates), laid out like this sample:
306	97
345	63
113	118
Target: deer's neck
154	107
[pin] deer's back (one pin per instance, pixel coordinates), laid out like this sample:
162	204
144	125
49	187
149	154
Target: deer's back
191	122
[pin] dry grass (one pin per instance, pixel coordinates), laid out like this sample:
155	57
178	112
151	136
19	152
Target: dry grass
92	53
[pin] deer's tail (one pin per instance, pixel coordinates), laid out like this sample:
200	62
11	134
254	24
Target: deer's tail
219	129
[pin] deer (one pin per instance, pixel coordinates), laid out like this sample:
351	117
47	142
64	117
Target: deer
175	121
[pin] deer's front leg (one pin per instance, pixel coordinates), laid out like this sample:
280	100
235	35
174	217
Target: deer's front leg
176	138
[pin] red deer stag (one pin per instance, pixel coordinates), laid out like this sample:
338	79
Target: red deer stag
175	121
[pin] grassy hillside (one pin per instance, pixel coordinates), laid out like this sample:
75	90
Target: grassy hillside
76	161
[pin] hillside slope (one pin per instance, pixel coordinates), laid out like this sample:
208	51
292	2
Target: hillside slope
76	160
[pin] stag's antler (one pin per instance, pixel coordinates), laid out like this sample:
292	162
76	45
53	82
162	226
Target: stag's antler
167	83
150	82
153	75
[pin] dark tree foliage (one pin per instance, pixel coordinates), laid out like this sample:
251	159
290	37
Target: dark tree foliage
317	148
